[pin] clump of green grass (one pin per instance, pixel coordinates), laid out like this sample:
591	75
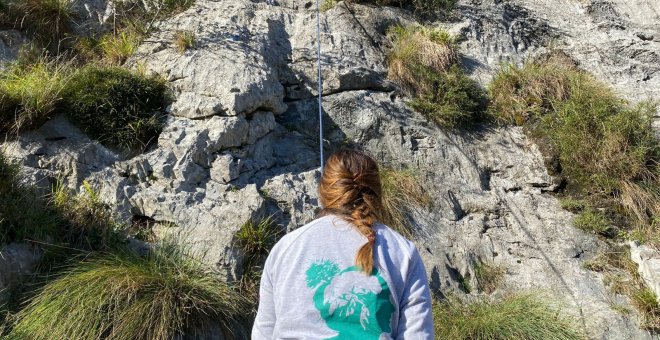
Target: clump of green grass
424	62
184	40
90	223
48	21
525	316
125	296
489	276
573	205
116	106
29	95
401	190
116	48
257	237
518	94
592	221
607	148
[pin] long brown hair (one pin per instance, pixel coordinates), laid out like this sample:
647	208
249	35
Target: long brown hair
350	188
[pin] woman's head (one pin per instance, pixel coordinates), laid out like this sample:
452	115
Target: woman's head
350	187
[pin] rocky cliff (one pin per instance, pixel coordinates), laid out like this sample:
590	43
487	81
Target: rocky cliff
241	137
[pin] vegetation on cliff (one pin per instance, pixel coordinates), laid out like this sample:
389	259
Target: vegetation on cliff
522	316
424	62
124	295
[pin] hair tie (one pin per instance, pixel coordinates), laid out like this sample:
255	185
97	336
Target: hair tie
372	237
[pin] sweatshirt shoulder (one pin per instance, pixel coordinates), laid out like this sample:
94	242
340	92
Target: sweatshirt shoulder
406	247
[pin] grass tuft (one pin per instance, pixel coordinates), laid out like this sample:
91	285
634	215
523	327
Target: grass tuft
621	277
115	106
424	62
29	95
593	221
184	40
606	148
525	316
125	296
401	191
419	51
489	276
116	48
48	21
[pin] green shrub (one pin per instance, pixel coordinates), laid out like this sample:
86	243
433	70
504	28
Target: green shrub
457	100
401	191
424	62
125	296
524	316
22	214
115	106
606	148
29	95
592	221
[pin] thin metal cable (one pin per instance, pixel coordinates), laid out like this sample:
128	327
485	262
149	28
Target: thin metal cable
320	80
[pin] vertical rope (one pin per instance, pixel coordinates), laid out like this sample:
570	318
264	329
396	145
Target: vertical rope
320	80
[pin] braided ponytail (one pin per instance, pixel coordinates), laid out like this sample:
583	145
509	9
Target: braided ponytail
350	188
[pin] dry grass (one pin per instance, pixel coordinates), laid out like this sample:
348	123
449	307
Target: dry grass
489	276
118	47
401	192
519	94
184	40
418	50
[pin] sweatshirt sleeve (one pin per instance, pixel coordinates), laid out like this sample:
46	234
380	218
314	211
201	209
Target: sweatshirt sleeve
415	315
265	319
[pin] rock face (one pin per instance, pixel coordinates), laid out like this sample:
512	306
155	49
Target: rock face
648	260
16	261
241	141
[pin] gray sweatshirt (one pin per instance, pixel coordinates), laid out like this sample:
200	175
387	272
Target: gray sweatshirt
310	288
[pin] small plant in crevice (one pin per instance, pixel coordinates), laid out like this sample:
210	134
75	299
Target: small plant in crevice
401	192
184	40
30	95
116	48
622	277
593	221
122	295
424	62
520	316
489	276
255	239
115	106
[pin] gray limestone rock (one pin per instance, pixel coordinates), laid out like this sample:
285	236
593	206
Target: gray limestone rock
648	260
17	260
